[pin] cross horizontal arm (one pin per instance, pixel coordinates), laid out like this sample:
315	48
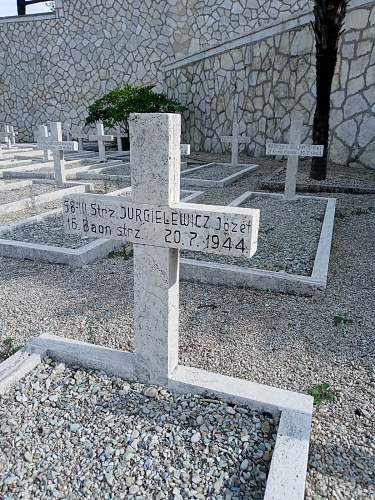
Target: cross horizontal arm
57	146
101	138
294	149
204	228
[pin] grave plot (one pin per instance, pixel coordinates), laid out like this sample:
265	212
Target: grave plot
115	170
353	179
147	438
11	163
36	193
293	248
160	226
214	174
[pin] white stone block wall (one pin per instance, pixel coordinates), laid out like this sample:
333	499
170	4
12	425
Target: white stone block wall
52	67
276	76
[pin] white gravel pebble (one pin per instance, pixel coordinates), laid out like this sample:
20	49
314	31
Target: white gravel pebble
104	446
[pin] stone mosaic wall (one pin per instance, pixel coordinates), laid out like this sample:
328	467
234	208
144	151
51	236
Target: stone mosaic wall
276	76
52	69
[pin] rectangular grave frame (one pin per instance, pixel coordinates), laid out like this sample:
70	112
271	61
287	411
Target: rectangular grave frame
244	169
286	478
230	275
40	199
14	185
75	257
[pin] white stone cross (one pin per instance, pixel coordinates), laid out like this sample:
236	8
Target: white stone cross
12	135
293	151
101	138
159	225
235	139
80	135
119	136
5	136
42	136
55	144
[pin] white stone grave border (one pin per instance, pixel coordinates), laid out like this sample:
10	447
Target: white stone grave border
40	199
243	169
75	257
286	478
230	275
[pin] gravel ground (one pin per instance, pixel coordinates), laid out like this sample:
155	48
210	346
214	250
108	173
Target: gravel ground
289	234
214	172
118	170
50	231
337	176
282	340
25	192
28	212
111	439
108	186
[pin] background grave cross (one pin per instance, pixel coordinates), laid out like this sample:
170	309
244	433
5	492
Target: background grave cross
43	136
235	139
55	144
119	136
5	136
12	135
159	225
80	135
293	150
101	139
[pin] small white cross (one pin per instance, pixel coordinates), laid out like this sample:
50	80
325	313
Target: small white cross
5	136
235	139
293	151
43	136
12	135
80	135
101	138
119	137
159	225
58	146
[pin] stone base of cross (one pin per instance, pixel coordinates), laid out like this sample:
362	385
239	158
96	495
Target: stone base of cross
55	144
101	138
235	139
293	151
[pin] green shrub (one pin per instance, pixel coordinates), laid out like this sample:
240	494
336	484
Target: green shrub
114	108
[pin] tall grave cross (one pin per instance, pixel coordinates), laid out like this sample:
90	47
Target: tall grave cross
12	135
235	139
55	144
101	138
119	137
43	136
5	136
159	225
293	151
80	135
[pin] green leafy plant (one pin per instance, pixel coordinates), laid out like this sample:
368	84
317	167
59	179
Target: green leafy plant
322	392
89	328
126	252
342	320
114	108
8	348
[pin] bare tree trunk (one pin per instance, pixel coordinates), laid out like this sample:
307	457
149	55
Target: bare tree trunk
329	20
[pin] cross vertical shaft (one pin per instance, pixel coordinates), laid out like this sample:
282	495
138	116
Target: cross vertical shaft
155	160
58	156
292	164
